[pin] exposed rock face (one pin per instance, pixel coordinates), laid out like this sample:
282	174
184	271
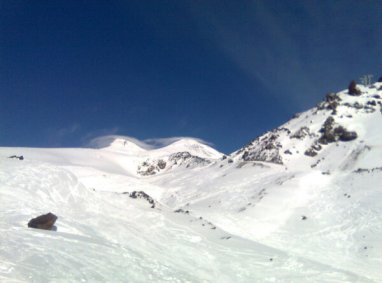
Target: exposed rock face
330	133
45	222
186	157
265	148
143	195
327	133
151	167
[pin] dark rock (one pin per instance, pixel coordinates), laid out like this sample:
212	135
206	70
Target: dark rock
182	211
161	164
347	136
331	134
310	152
303	217
357	105
327	131
372	103
230	161
331	102
332	97
376	96
316	147
296	115
17	157
142	194
353	90
288	152
44	222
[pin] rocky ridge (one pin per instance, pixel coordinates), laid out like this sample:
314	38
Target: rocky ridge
309	132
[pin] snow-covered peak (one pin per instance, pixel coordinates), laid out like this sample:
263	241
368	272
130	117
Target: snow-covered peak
119	143
193	146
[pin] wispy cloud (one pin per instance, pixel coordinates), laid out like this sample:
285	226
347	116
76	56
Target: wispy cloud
92	135
148	144
62	132
56	137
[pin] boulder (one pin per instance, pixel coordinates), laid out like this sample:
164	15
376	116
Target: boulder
353	90
45	222
17	157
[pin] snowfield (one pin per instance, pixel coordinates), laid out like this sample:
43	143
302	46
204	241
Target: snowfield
301	203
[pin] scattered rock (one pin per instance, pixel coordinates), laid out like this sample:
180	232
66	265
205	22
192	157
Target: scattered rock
301	133
44	222
182	211
303	217
225	237
288	152
363	170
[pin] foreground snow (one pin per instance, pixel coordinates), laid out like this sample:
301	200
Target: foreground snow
309	219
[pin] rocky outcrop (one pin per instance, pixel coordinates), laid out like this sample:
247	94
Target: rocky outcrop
151	167
143	195
332	100
332	133
44	222
265	148
186	159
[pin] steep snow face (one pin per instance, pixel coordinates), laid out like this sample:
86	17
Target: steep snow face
298	204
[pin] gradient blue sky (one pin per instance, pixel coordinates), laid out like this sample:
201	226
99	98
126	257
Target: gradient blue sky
222	71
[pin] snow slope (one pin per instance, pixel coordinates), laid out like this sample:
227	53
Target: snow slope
298	204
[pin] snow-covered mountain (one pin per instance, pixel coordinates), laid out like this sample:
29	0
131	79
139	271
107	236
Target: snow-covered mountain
297	204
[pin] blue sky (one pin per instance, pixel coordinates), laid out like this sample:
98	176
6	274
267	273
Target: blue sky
222	71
